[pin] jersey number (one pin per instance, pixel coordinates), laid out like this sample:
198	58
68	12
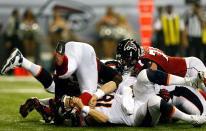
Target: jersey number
153	51
106	98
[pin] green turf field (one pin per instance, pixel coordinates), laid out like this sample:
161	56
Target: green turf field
14	91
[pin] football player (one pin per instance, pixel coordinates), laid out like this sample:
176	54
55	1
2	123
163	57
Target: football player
133	56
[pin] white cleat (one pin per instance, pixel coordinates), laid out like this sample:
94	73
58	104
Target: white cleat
198	120
15	60
195	82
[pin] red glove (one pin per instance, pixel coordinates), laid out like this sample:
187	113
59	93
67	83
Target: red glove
164	94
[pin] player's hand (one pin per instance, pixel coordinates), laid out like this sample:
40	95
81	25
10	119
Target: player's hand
165	94
77	102
93	101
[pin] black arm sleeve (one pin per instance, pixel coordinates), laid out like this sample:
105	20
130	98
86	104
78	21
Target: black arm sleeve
157	76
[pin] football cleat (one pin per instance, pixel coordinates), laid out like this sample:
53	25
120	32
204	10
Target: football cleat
198	120
27	107
15	60
60	47
33	103
195	82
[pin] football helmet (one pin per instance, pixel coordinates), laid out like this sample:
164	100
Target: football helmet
127	53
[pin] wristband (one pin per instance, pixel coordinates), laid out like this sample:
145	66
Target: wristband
100	93
86	110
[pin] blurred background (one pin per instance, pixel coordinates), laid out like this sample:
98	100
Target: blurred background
177	27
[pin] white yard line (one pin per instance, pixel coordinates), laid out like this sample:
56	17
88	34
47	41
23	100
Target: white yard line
22	91
14	78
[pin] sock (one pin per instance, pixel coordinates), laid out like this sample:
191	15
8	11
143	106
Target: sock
85	97
45	78
62	69
175	80
171	111
177	114
31	67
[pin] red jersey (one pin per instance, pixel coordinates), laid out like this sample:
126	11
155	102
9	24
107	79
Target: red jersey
173	65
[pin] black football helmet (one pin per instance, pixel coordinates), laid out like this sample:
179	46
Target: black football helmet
127	53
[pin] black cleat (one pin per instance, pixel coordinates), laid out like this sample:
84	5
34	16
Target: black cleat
27	107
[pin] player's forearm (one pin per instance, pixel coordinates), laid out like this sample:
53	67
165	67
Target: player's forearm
109	87
105	89
95	114
98	116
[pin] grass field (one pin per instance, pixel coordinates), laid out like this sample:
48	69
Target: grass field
14	91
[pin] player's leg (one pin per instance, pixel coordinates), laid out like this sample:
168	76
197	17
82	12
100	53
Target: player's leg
189	100
162	78
194	65
87	75
41	106
16	59
188	107
156	104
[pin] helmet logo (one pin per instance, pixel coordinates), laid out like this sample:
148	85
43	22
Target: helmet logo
130	45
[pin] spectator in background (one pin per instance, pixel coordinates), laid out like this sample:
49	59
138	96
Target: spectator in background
194	22
30	35
11	32
204	34
173	30
106	29
59	30
158	40
123	29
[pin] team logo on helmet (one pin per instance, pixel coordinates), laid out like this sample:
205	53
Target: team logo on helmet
130	45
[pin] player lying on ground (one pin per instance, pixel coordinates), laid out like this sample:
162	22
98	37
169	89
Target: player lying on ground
135	57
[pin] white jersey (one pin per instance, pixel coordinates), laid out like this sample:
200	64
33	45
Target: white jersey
111	106
82	62
127	80
143	88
